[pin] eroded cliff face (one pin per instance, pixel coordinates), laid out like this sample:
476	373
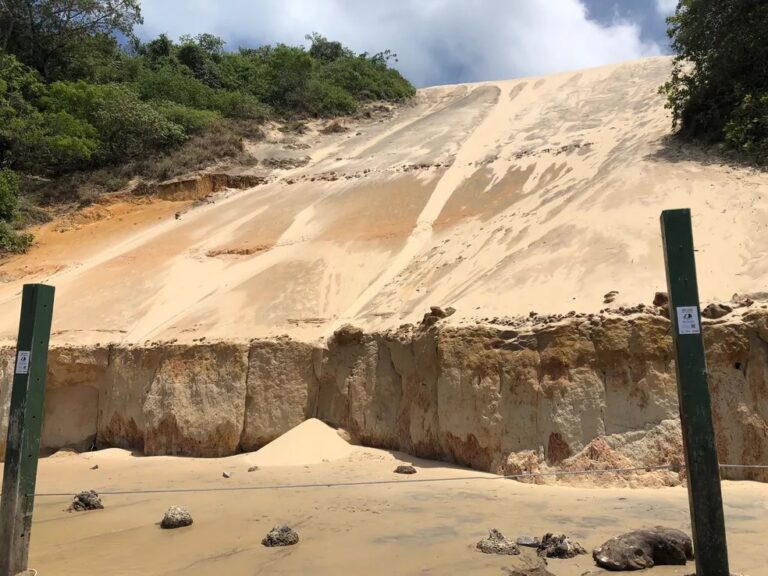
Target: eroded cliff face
570	395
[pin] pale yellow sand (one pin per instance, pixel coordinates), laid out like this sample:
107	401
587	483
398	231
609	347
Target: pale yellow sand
496	198
308	443
388	529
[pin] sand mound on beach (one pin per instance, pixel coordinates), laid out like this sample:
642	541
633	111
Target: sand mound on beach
310	442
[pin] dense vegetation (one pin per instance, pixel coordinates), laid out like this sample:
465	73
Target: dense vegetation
78	108
719	87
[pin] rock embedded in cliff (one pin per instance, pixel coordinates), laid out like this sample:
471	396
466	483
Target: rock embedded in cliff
280	536
496	543
176	517
661	299
714	311
610	296
553	546
349	334
405	469
641	549
88	500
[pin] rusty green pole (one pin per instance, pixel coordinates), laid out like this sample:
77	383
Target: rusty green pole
704	495
24	427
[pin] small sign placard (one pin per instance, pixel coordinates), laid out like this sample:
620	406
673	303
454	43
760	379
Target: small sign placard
688	320
22	362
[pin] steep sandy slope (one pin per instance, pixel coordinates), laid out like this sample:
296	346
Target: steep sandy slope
494	198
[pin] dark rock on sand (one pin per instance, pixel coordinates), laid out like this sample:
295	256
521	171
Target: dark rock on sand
280	536
88	500
176	517
530	541
403	469
561	546
496	543
645	548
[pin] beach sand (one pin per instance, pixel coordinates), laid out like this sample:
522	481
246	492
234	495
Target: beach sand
398	527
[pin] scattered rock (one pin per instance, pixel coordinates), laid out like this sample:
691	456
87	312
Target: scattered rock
95	467
405	469
610	297
286	163
646	548
226	474
530	541
561	546
253	469
88	500
176	517
280	536
496	543
333	128
450	311
661	299
714	311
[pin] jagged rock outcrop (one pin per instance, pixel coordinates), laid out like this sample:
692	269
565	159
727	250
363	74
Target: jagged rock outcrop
570	395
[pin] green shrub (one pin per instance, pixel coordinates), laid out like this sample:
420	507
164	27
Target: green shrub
125	125
368	79
9	194
747	129
14	242
192	120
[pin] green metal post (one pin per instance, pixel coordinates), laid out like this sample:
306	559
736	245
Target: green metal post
704	496
24	427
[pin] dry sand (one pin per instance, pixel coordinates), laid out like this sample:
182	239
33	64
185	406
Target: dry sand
308	443
495	198
399	528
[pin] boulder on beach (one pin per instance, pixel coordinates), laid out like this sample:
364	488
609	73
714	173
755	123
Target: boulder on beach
641	549
87	500
496	543
280	536
176	517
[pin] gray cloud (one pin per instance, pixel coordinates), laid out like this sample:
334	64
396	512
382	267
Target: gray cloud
438	41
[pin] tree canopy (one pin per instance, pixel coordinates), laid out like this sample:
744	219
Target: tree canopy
718	92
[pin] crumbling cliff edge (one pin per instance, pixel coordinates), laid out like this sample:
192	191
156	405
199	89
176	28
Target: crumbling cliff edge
579	393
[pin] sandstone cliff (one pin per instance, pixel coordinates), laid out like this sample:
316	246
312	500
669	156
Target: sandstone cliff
574	394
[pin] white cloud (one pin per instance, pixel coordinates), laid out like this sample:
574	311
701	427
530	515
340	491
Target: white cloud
666	7
437	41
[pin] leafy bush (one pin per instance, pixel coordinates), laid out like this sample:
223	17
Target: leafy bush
747	129
719	82
9	194
192	120
125	125
14	242
368	79
129	127
35	140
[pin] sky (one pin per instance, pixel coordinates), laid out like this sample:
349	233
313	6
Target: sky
437	41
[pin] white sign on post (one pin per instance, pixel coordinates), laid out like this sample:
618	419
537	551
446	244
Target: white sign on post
688	320
22	362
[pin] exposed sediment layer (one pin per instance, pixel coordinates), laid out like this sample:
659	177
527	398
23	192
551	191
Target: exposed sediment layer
573	394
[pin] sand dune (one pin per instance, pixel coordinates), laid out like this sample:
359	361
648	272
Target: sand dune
495	198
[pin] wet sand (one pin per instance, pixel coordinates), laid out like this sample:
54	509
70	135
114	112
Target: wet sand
397	528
